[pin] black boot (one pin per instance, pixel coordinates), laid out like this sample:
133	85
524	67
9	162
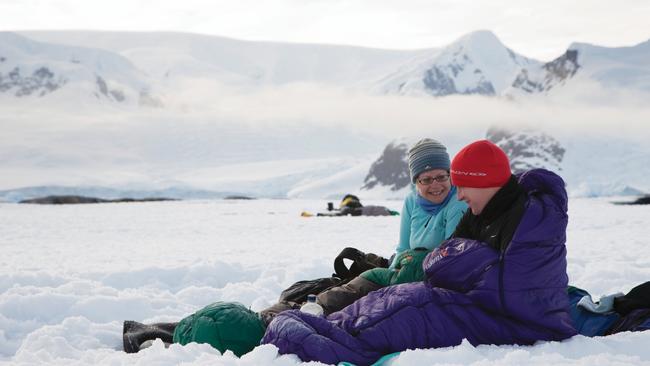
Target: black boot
134	334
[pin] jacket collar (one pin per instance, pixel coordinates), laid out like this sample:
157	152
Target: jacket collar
502	201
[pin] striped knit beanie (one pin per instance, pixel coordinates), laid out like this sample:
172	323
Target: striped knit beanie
425	155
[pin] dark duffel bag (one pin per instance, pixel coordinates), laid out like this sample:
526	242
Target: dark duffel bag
296	294
361	262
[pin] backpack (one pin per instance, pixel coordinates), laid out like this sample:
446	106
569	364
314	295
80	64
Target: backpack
361	262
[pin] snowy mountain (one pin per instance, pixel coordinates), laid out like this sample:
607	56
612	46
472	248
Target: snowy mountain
296	120
187	168
477	63
167	56
620	67
528	149
35	69
549	75
570	156
391	169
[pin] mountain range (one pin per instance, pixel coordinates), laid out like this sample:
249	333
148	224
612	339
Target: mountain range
93	113
137	67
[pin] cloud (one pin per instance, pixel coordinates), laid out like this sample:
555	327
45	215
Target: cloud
575	108
533	28
206	125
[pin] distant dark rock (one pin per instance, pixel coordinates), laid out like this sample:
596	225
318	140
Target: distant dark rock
68	200
42	81
526	83
528	149
18	194
391	169
564	66
236	197
553	74
439	83
102	87
645	200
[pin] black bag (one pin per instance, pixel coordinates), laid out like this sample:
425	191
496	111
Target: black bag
296	294
637	298
361	262
298	291
634	309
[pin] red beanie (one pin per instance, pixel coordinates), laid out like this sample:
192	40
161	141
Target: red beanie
480	164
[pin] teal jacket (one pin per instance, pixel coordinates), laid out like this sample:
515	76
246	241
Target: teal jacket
421	230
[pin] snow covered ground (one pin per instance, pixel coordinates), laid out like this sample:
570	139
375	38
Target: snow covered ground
69	276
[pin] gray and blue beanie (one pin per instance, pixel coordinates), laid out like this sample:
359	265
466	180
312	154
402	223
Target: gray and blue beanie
425	155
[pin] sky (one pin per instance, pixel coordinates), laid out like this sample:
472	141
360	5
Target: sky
538	29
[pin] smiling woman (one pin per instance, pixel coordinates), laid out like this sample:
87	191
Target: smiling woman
434	185
432	211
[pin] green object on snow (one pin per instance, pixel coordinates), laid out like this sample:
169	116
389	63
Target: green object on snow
408	269
223	325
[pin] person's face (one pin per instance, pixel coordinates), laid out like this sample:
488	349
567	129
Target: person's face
476	198
433	185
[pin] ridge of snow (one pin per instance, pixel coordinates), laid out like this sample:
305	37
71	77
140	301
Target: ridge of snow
477	63
611	67
94	73
259	63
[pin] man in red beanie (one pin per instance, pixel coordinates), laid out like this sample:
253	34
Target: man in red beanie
501	278
481	173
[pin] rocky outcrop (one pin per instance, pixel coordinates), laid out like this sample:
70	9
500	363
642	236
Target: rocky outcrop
475	64
40	82
439	83
103	89
66	200
238	197
645	200
390	170
552	74
528	149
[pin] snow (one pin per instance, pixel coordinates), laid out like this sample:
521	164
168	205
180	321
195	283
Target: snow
112	153
622	67
69	276
75	68
472	59
290	120
272	120
165	54
166	64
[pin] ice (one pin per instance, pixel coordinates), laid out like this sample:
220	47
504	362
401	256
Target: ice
69	276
